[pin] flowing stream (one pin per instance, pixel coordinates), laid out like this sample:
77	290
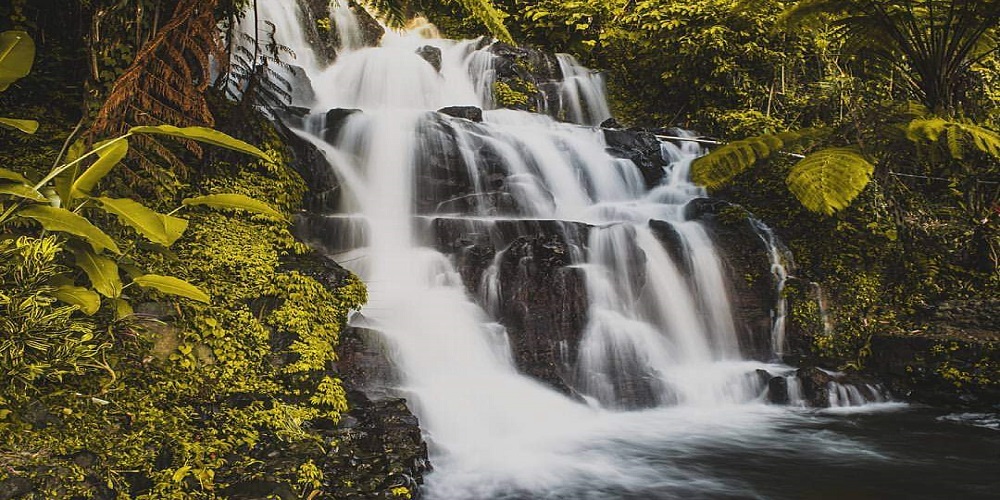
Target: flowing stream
662	400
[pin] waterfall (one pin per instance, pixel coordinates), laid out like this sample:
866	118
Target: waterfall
657	354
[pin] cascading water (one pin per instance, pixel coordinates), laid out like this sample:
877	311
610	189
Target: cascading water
659	338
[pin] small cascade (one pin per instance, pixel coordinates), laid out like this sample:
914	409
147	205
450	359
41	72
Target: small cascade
582	95
779	256
533	289
346	23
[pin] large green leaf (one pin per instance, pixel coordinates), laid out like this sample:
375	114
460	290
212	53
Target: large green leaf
172	286
102	271
722	165
62	220
21	191
17	53
234	201
26	126
144	220
88	301
206	135
174	227
827	180
957	136
11	175
108	156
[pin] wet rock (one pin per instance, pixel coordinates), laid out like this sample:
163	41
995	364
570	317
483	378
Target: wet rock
310	163
777	391
814	384
672	243
432	55
945	365
642	148
363	362
611	123
335	120
543	304
15	487
468	112
748	265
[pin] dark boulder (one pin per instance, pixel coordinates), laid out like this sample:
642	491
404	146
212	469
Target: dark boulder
432	55
815	386
15	487
642	148
310	163
335	120
543	304
777	391
468	112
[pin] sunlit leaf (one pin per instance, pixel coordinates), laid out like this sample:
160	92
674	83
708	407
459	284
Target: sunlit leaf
26	126
234	201
17	54
62	220
173	286
206	135
88	301
109	155
102	271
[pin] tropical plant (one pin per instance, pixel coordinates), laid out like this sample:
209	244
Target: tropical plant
74	192
932	43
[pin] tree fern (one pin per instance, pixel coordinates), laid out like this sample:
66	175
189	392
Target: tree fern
722	165
956	136
828	180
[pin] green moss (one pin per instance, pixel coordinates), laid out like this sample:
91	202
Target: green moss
515	93
199	396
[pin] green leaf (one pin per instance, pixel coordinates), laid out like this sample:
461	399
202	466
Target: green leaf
174	227
206	135
88	301
144	220
826	181
109	155
17	54
234	201
722	165
173	286
26	126
11	175
62	220
122	308
102	271
22	191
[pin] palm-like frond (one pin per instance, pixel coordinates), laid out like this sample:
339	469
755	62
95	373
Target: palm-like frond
722	165
828	180
956	136
932	42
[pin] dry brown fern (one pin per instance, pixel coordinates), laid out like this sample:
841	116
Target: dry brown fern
165	84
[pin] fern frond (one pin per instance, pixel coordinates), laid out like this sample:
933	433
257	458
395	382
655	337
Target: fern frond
491	17
722	165
166	84
957	136
828	180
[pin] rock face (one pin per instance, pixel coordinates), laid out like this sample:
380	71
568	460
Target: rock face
432	55
754	290
543	303
946	365
468	112
640	146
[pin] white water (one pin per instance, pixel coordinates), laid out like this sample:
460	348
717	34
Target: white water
493	431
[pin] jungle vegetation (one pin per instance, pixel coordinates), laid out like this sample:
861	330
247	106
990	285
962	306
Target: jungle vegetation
134	331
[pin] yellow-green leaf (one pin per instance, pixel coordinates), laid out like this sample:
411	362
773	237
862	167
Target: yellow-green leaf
102	271
108	156
174	227
206	135
17	54
136	215
62	220
828	180
22	191
234	201
88	301
11	175
122	308
173	286
26	126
